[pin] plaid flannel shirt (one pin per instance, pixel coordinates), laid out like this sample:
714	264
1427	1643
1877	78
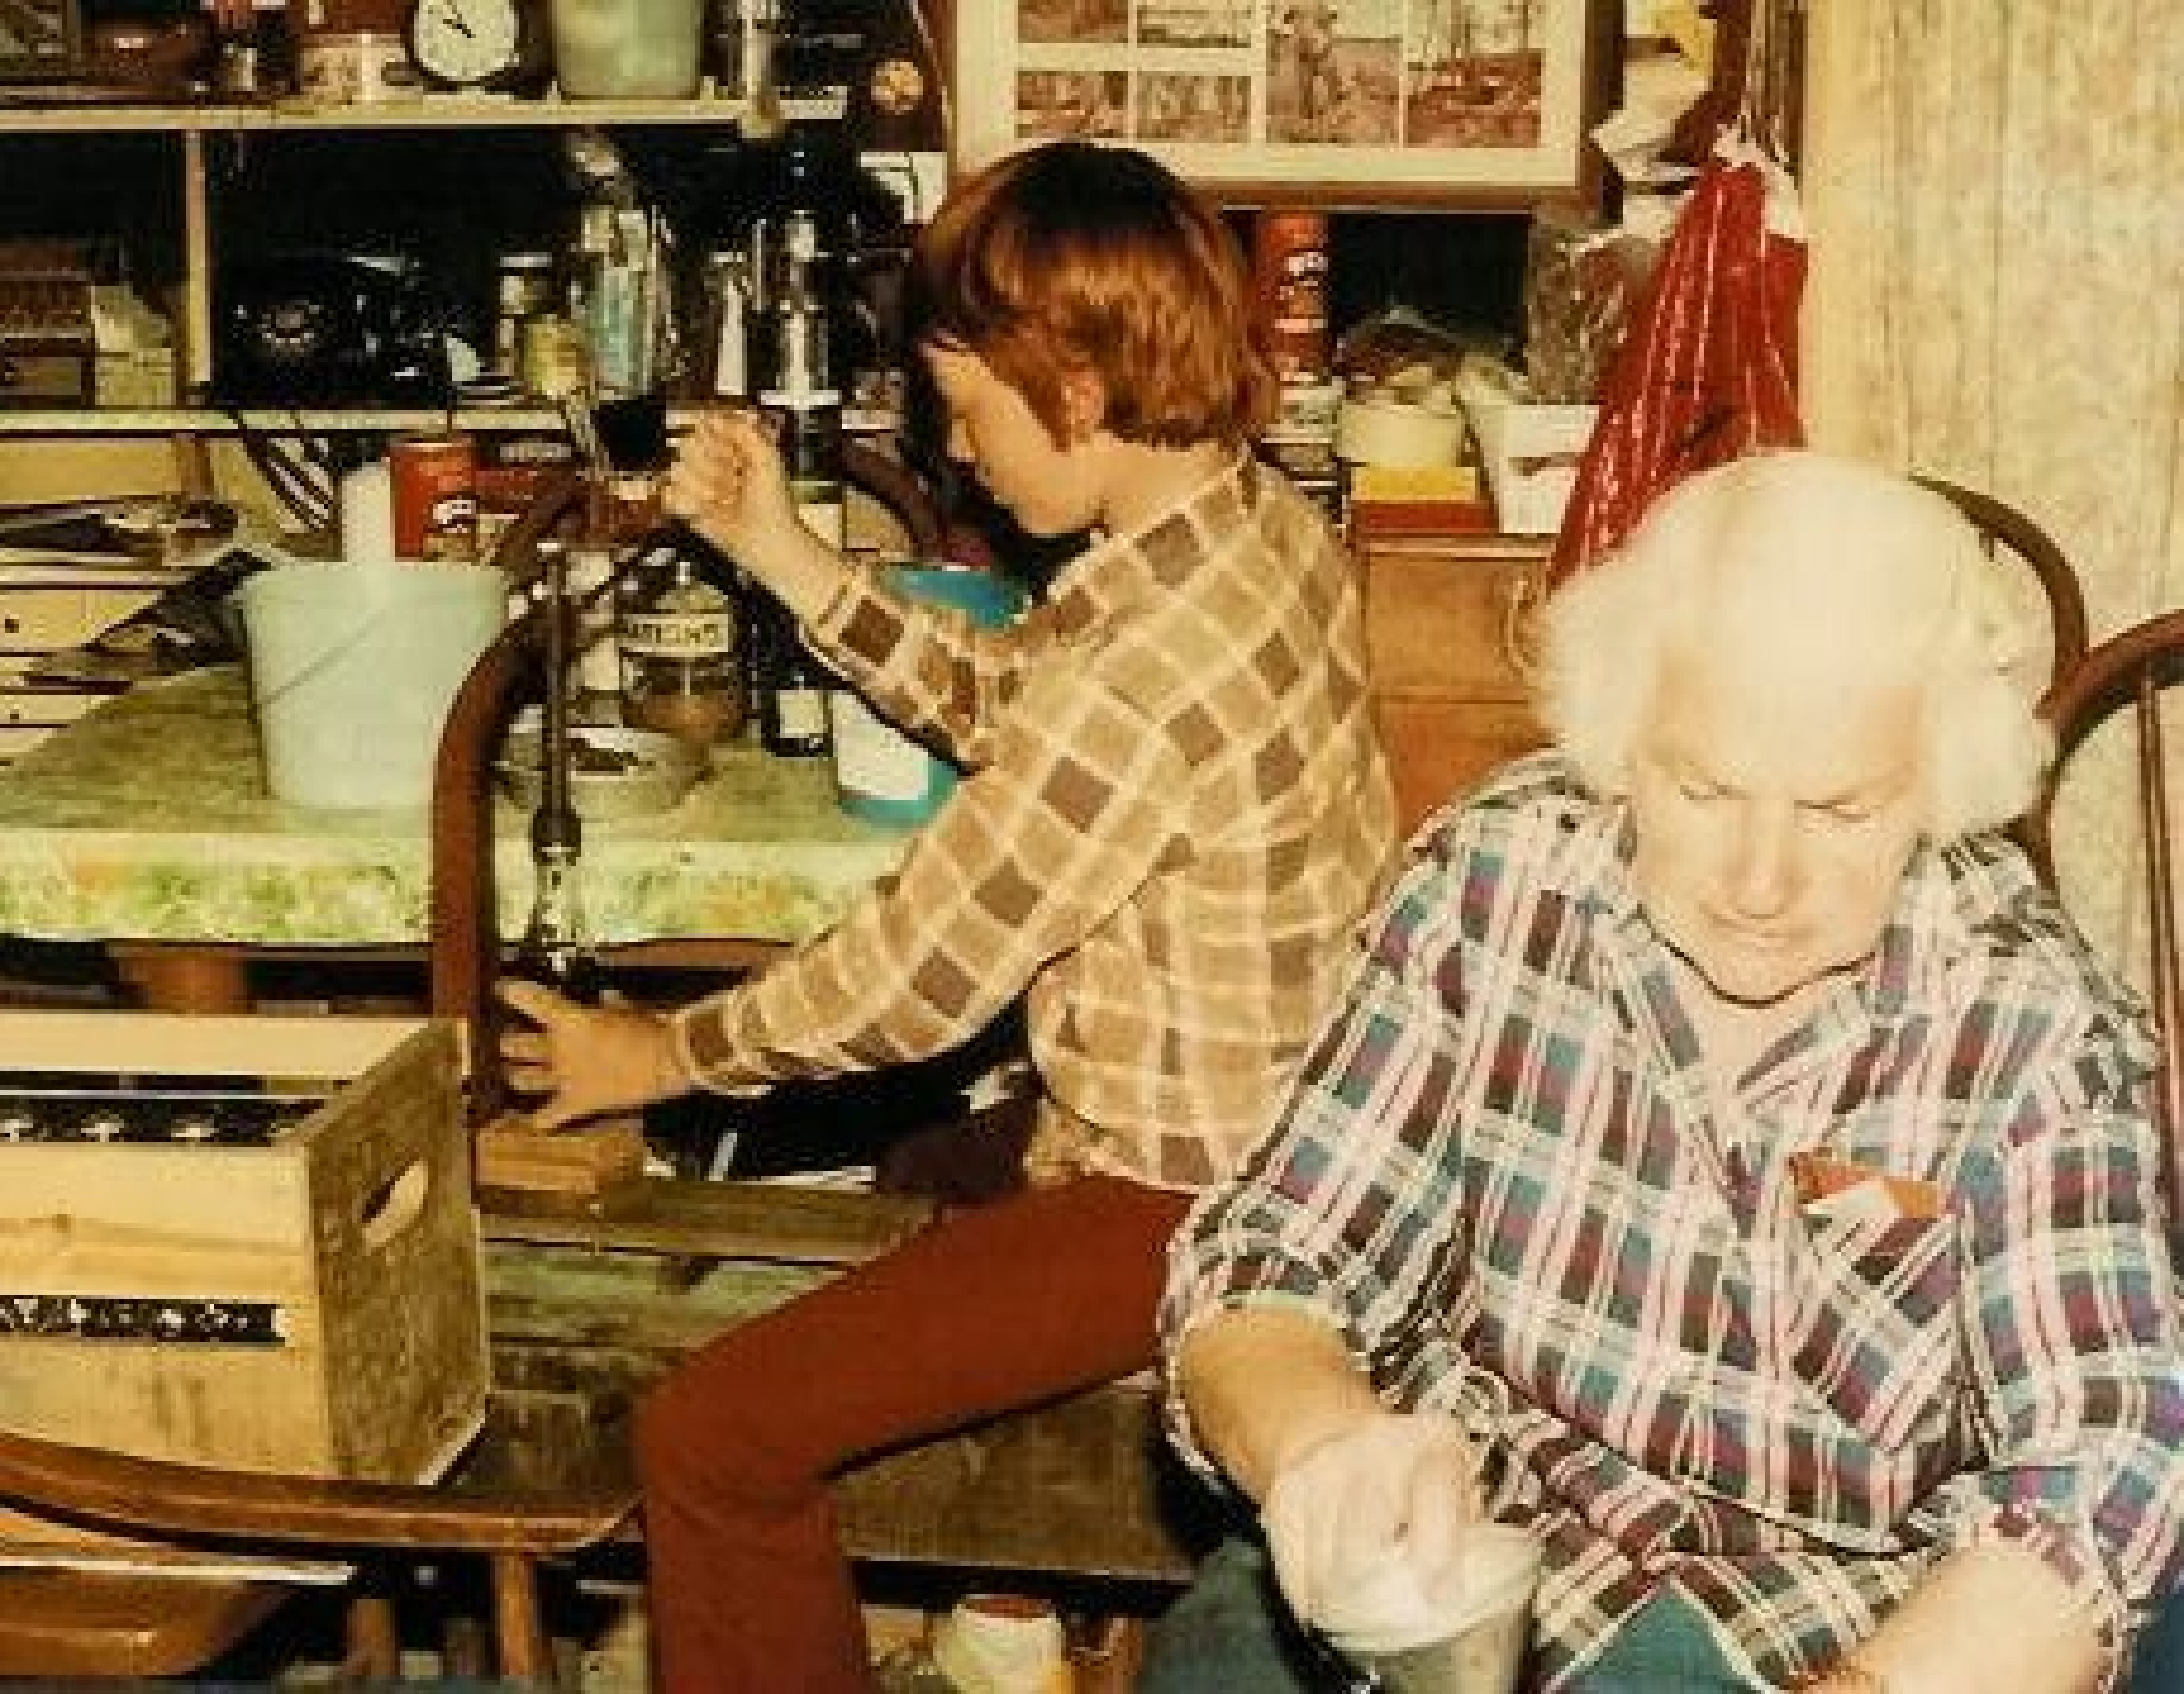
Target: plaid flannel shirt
1505	1176
1175	814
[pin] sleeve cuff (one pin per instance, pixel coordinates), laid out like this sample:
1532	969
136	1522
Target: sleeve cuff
700	1073
1175	1416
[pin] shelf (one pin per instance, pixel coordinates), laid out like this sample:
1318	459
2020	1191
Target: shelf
266	420
470	112
214	421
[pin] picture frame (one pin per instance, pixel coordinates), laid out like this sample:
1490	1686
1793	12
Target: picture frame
41	41
1342	104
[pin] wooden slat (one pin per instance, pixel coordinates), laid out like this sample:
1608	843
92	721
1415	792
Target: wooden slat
765	1221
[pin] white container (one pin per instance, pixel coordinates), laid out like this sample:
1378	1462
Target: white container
1002	1644
627	49
353	668
1531	453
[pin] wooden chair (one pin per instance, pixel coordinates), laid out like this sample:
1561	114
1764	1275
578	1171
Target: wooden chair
2008	533
2125	681
509	1515
81	1624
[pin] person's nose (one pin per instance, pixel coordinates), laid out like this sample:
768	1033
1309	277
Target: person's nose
1763	863
958	442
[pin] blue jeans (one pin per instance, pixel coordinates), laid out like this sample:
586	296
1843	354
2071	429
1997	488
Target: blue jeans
2157	1666
1231	1633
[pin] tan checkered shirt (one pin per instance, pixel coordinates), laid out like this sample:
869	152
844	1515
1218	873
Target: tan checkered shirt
1177	811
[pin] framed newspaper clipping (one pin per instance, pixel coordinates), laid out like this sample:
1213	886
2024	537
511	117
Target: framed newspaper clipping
1359	103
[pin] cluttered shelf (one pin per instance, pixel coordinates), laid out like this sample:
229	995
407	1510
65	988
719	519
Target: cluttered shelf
273	420
20	114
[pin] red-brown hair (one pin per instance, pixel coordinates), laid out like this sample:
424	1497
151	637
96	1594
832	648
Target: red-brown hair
1069	259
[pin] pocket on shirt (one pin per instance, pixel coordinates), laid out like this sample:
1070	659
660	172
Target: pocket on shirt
1872	1323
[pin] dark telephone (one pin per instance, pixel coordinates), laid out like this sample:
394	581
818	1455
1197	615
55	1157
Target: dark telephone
318	329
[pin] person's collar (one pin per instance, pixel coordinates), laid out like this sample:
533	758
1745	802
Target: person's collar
1121	569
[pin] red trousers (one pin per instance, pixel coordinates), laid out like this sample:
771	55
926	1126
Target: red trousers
995	1307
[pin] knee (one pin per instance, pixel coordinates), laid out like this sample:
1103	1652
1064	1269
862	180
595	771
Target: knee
694	1441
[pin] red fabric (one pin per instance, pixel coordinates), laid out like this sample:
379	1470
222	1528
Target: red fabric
997	1307
1707	370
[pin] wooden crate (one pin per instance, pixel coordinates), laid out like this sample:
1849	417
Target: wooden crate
349	1238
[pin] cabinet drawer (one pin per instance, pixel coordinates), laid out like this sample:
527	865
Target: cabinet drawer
1441	623
41	619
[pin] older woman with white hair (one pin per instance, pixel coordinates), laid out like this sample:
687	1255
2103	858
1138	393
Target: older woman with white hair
1727	1161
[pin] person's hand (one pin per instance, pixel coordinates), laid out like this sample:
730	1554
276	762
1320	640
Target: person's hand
587	1060
727	484
1364	1524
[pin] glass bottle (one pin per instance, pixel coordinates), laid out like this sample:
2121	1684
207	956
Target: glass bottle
793	708
799	370
807	413
681	657
724	359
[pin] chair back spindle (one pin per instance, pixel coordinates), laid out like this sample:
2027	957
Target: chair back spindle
2126	680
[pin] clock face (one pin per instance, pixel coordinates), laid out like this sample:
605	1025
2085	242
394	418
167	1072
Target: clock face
465	42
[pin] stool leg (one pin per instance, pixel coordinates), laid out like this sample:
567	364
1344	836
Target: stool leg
519	1630
375	1643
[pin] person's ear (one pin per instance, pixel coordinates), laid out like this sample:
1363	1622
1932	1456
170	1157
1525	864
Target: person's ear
1083	406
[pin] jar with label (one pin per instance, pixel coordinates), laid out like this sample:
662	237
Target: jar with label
523	289
682	654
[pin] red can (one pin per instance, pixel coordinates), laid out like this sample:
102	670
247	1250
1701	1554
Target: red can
436	507
1290	272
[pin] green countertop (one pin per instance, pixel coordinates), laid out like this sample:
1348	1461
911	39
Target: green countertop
149	820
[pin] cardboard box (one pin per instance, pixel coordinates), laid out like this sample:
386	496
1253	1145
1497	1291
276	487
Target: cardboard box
1531	453
309	1302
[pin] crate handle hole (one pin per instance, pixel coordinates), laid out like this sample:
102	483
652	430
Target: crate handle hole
395	1205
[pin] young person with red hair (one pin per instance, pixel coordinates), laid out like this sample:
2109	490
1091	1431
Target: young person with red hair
1174	810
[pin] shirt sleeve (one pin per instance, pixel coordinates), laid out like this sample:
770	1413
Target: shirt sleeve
1342	1211
927	668
2074	1338
1024	860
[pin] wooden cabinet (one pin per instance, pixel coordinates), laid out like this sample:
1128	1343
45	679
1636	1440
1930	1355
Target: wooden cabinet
1443	620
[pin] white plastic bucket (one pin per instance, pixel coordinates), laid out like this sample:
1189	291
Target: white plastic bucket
353	668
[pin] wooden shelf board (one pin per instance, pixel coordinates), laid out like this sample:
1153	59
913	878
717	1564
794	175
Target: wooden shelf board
430	112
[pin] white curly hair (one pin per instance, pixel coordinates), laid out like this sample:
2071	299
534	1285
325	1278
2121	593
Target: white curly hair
1820	560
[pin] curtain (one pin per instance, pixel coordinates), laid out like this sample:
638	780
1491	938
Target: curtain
1995	194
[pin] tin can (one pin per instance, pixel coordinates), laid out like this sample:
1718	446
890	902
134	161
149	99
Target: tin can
435	479
1290	262
523	289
